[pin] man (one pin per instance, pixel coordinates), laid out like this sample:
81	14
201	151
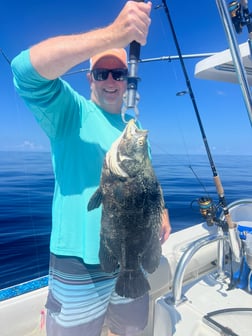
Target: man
81	131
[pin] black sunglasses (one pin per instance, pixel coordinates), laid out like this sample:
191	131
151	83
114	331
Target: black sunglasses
100	74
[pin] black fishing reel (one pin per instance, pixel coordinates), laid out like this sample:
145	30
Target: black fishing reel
208	210
211	212
240	15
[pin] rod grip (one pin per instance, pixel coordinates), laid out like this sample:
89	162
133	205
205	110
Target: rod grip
134	55
218	185
134	52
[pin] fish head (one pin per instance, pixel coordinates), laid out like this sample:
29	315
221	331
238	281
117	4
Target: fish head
133	144
129	152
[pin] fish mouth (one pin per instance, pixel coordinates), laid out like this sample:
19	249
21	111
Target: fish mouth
112	159
132	129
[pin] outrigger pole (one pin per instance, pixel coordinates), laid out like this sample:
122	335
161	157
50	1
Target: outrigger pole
168	58
234	241
176	57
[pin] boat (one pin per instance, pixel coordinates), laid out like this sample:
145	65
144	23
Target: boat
203	285
191	291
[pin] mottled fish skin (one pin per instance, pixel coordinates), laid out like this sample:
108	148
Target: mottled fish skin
132	204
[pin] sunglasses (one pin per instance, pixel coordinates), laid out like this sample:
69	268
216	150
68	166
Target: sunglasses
102	74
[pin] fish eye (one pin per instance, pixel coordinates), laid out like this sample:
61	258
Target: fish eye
140	142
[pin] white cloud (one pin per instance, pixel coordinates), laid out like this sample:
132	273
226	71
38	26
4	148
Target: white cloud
26	145
29	146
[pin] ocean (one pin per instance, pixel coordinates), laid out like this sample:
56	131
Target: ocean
26	189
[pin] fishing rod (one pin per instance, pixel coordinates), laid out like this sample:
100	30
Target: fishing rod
131	97
205	203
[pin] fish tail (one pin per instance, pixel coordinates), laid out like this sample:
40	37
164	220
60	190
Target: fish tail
132	284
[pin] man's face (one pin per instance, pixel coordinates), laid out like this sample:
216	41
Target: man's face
108	94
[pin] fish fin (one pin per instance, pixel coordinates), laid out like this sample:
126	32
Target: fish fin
132	284
108	261
95	201
151	257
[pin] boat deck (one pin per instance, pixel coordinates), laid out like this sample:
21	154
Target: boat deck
201	298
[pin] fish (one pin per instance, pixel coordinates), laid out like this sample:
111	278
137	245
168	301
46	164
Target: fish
132	205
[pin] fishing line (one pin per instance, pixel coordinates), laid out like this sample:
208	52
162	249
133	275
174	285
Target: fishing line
190	166
181	164
166	37
179	93
198	179
5	56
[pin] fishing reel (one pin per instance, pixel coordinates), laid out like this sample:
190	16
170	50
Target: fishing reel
240	15
207	209
211	212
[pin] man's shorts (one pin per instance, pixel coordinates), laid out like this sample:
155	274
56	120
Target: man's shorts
81	299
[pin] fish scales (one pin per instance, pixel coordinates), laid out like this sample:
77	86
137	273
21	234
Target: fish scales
132	204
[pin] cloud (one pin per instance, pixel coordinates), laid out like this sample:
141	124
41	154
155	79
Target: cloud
29	146
221	93
26	145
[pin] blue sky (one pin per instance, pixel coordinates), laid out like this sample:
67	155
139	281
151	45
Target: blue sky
170	119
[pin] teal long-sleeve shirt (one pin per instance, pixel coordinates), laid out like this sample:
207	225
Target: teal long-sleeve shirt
80	134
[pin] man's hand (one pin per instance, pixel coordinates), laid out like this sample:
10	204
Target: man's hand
166	226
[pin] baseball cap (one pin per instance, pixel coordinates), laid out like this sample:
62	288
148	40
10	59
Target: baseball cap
120	54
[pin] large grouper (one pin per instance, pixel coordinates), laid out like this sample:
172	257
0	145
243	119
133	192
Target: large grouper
132	204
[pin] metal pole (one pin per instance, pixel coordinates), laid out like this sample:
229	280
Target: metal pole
236	56
153	59
176	57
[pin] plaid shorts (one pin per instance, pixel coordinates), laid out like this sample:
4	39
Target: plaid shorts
81	299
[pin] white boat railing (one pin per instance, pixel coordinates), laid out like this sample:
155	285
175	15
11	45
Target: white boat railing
239	209
177	296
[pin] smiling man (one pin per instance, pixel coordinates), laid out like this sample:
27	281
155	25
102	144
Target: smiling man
107	79
81	297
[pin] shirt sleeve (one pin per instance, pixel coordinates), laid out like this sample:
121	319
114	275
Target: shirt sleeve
55	105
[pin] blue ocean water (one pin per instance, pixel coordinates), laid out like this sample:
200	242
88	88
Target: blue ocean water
26	188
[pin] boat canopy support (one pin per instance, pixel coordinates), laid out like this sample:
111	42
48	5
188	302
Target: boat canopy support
236	56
